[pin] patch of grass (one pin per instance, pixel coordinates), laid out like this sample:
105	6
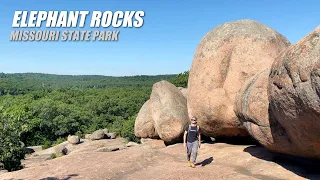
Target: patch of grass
100	146
47	144
59	141
56	155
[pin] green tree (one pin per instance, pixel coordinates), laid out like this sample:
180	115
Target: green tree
11	149
128	130
181	80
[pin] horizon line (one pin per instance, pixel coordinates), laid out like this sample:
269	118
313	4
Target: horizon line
89	74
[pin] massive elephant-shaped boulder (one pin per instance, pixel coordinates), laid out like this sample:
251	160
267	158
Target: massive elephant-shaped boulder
294	90
226	57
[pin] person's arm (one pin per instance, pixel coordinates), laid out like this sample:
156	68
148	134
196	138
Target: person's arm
199	138
185	139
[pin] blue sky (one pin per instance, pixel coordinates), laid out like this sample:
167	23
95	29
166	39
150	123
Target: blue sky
164	45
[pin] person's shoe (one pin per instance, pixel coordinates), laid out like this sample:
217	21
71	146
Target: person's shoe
192	165
189	164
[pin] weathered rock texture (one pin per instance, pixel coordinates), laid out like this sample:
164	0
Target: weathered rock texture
280	107
225	58
294	89
184	91
154	161
60	149
99	134
144	124
105	130
164	115
169	111
87	136
252	109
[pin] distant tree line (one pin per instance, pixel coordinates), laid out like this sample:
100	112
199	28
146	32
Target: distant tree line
15	84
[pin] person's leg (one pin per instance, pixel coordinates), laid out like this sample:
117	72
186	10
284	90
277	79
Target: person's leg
195	146
189	149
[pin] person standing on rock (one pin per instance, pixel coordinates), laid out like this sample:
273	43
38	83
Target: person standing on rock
192	141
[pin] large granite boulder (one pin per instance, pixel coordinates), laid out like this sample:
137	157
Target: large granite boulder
294	89
164	115
169	111
144	124
226	57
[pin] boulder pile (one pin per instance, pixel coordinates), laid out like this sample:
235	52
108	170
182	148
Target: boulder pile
101	134
289	122
245	79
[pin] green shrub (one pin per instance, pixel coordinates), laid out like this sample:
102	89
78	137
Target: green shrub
11	150
127	130
117	125
181	80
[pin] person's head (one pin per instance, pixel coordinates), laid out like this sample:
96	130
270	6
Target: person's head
194	120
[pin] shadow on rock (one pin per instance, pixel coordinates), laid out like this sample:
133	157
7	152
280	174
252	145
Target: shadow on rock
81	142
304	167
236	140
65	178
205	162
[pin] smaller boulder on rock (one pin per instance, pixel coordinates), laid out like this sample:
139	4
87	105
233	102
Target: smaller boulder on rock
3	171
113	135
1	166
130	144
32	149
73	140
108	149
99	134
105	130
87	136
60	149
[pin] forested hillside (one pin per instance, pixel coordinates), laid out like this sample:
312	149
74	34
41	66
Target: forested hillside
42	109
14	84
